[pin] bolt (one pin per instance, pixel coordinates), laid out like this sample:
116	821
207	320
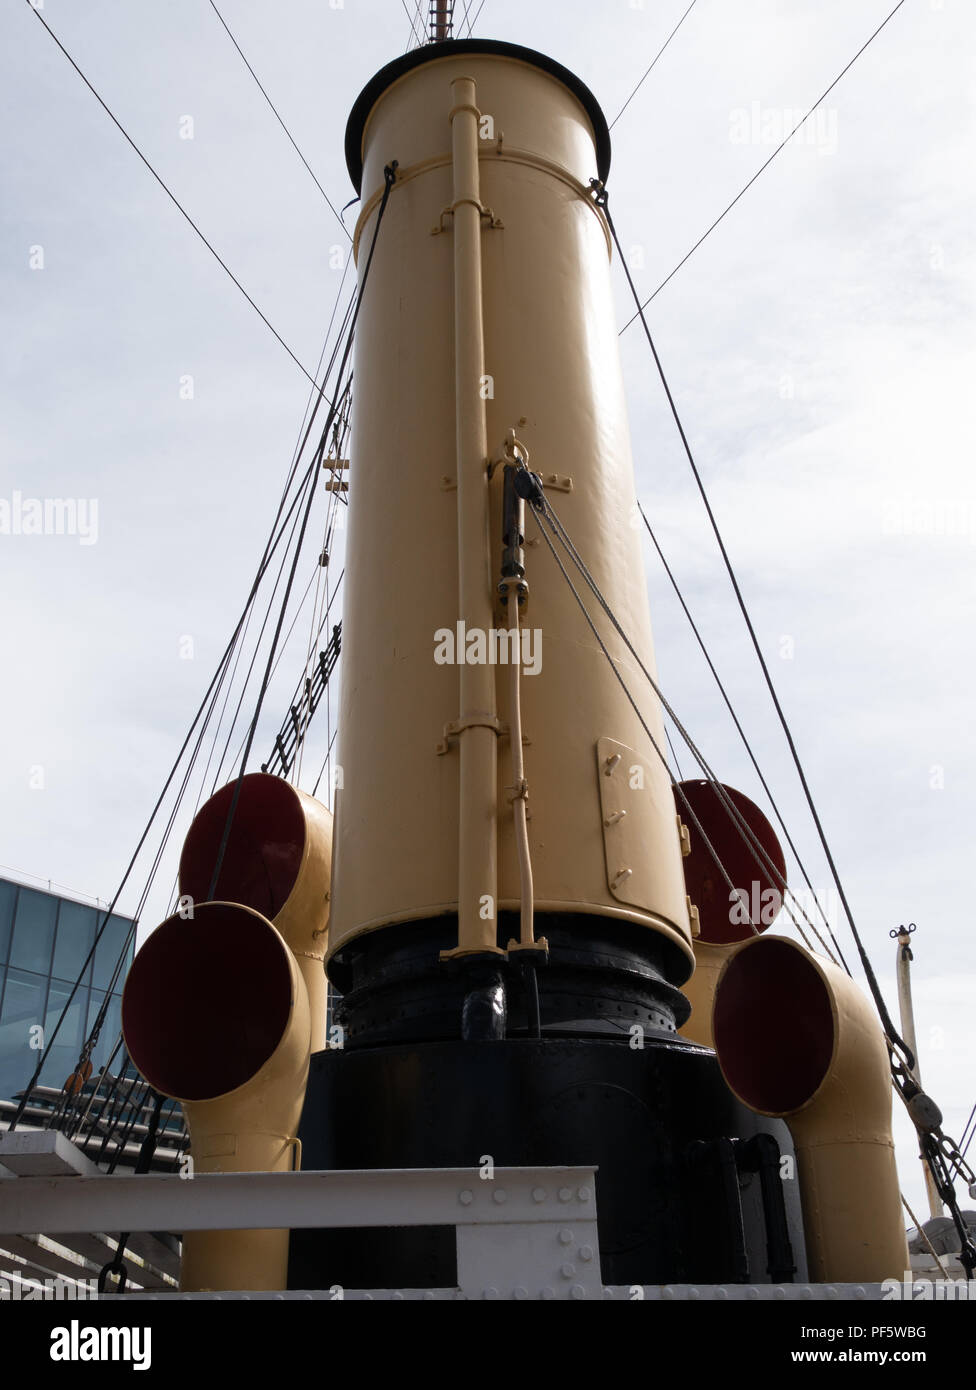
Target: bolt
491	1292
583	1194
547	1293
520	1292
538	1194
499	1196
466	1198
565	1237
565	1193
586	1252
577	1291
567	1270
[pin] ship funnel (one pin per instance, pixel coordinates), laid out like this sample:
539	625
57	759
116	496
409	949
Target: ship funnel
726	916
277	861
797	1039
215	1015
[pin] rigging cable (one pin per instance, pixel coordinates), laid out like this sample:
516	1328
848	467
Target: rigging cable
722	215
653	64
413	30
477	16
172	196
939	1150
745	831
693	819
279	120
389	178
278	525
743	736
908	1058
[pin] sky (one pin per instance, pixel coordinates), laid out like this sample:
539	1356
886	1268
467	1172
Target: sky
819	345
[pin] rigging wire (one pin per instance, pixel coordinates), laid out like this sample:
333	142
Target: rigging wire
744	737
893	1035
172	197
328	755
279	119
207	703
389	178
653	64
693	819
722	215
477	16
413	31
745	831
967	1134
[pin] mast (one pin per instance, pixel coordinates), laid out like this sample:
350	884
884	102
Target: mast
903	969
441	20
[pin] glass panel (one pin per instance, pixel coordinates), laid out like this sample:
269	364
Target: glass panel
33	931
63	1057
108	950
23	1007
8	892
76	932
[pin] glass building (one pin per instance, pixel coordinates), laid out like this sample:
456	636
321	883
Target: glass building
44	941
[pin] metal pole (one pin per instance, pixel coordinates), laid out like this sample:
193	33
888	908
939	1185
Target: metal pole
903	968
478	723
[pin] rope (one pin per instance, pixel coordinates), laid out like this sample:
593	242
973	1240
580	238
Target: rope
745	740
693	819
279	120
172	196
745	831
389	175
763	167
653	64
908	1058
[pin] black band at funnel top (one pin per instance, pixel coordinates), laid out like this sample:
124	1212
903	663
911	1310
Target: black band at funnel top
377	85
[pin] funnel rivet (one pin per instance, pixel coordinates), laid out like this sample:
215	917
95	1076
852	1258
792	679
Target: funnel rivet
565	1237
583	1194
499	1195
586	1252
568	1271
565	1193
577	1291
465	1198
538	1194
520	1293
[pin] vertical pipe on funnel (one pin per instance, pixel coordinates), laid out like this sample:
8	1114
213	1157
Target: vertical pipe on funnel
477	821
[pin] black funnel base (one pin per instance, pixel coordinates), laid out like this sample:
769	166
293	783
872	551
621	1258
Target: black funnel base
688	1188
